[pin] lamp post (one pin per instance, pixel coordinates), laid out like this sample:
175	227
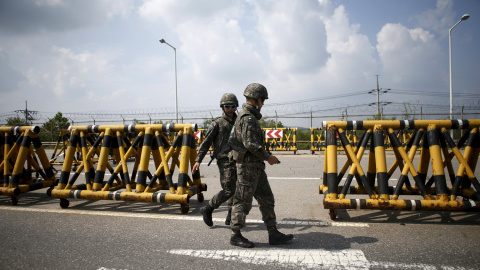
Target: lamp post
176	92
464	17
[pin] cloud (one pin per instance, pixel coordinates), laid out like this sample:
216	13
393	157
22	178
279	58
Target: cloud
294	33
177	12
439	19
25	17
351	54
410	57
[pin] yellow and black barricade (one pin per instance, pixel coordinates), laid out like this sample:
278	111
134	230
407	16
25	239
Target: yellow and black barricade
318	138
22	155
141	185
431	138
281	139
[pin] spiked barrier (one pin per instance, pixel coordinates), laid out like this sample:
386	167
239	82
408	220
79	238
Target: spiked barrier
431	138
150	142
22	154
281	139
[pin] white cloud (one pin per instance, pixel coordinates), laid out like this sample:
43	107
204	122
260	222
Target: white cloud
352	55
409	56
439	19
294	33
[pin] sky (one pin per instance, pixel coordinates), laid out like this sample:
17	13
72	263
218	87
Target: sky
102	59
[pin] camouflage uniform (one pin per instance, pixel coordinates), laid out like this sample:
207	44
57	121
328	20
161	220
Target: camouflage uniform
217	135
252	179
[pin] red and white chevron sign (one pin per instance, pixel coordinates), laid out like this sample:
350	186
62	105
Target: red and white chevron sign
274	134
198	134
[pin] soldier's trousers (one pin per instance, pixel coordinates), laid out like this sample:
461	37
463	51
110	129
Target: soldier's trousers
228	181
252	183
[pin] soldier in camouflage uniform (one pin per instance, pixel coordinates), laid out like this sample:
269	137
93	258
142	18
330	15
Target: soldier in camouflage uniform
252	179
217	134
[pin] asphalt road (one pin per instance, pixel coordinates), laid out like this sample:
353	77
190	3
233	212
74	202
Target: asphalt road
38	234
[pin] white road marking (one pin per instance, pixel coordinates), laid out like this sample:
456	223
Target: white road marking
181	217
303	258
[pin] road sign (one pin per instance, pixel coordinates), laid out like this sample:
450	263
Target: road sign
274	134
198	135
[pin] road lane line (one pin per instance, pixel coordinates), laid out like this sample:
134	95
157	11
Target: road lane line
181	217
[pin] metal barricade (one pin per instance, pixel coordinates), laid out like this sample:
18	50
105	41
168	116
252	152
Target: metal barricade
150	143
431	138
281	139
23	155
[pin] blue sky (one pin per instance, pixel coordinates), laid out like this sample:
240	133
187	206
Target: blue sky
322	56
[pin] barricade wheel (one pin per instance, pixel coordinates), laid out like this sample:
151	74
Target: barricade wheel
14	200
64	203
333	214
200	197
184	208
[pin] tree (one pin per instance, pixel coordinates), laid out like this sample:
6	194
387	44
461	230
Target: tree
206	123
138	122
379	117
409	111
269	123
51	129
16	121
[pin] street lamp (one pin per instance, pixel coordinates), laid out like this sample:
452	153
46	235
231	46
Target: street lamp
176	95
464	17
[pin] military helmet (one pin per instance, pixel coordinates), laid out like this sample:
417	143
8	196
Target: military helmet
256	91
228	98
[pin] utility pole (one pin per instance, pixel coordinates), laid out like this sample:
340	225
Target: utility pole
379	91
29	115
378	98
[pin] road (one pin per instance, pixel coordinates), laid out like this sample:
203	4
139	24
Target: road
38	234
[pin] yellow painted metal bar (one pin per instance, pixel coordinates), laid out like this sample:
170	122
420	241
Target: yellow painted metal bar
331	152
137	128
144	160
437	163
409	205
399	124
121	196
21	158
184	162
68	159
102	161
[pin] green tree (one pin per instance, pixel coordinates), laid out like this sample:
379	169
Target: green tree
409	111
379	117
269	123
138	122
16	121
205	124
51	129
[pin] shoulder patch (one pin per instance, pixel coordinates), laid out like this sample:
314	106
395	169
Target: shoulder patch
250	119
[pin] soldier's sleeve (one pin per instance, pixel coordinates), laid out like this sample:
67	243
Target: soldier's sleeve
210	135
250	139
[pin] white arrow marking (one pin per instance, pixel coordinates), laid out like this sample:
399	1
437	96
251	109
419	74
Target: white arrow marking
304	258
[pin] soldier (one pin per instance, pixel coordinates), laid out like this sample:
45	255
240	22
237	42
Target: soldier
250	154
217	134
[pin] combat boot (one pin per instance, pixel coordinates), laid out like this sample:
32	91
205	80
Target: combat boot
207	211
229	217
277	238
238	240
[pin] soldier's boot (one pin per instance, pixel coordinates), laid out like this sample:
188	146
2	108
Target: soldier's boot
229	217
238	240
207	211
277	238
